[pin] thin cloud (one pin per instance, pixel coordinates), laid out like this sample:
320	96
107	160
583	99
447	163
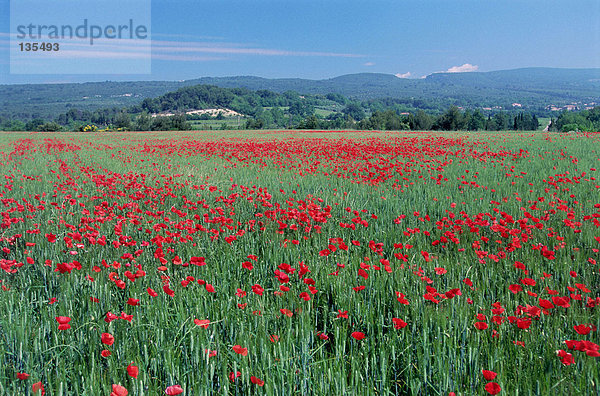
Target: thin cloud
369	64
403	75
177	46
466	68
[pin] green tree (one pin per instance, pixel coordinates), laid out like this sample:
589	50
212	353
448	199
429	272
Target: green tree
477	121
143	122
122	121
355	111
451	120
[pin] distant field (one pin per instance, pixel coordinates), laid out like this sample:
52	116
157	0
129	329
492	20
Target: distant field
289	262
217	124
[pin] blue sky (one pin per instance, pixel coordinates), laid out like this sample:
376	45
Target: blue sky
323	39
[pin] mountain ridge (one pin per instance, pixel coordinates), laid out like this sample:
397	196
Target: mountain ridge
535	88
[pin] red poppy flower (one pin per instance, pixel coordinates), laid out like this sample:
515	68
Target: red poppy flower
257	381
202	323
233	376
561	301
399	323
523	323
582	329
257	289
488	375
239	350
357	335
63	322
118	390
515	288
173	390
22	376
493	388
132	370
286	312
133	301
565	357
107	339
105	353
38	386
168	291
481	325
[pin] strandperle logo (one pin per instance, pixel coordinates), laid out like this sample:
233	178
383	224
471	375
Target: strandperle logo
80	37
129	30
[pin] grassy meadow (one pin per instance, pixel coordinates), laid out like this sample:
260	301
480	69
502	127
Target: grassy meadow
295	263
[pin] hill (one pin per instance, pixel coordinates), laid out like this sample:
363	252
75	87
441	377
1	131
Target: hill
534	88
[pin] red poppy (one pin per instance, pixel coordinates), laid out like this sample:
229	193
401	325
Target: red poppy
173	390
132	370
523	323
233	376
22	376
481	325
133	301
399	323
105	353
565	357
257	289
38	386
561	301
582	329
239	350
357	335
168	291
63	322
515	288
488	375
107	339
493	388
440	271
286	312
118	390
202	323
257	381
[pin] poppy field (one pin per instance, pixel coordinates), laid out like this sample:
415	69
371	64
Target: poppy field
305	263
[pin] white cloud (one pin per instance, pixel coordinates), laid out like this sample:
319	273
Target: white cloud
369	64
193	47
467	67
403	75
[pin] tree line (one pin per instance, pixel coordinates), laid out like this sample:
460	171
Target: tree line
266	109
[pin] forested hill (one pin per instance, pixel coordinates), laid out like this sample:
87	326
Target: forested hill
534	88
487	88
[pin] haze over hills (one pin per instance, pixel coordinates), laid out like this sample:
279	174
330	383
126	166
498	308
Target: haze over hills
534	88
